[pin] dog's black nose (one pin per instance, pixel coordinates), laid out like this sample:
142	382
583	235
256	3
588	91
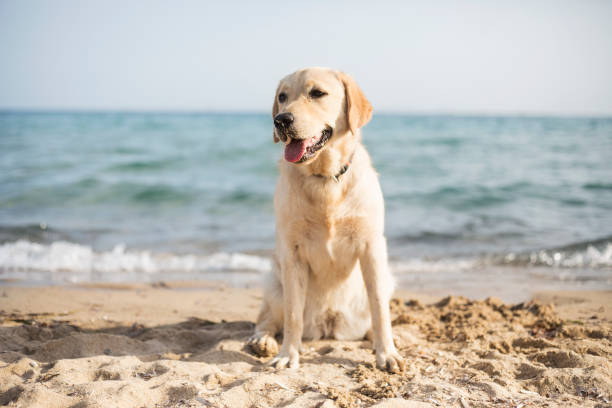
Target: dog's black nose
283	120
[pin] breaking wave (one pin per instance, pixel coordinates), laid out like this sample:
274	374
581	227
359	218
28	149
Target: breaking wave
596	254
81	263
63	261
591	254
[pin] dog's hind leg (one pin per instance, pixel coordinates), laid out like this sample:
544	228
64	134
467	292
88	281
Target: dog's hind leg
269	322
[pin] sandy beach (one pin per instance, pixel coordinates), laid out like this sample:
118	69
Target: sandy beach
182	345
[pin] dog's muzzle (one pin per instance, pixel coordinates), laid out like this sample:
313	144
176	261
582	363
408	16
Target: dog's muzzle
283	122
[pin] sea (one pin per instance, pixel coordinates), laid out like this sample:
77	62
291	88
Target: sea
475	205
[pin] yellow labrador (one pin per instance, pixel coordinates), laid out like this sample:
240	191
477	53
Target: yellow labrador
331	277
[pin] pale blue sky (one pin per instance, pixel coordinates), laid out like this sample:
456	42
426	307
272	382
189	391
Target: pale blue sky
532	57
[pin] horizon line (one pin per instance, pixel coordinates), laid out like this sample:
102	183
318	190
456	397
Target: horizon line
451	113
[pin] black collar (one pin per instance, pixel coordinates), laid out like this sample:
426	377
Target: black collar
343	170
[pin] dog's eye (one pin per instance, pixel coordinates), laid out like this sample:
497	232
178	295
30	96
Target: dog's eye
316	93
282	97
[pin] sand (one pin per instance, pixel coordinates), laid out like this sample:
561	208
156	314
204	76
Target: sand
182	345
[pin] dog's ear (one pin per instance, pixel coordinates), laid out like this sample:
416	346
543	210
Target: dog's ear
274	113
358	108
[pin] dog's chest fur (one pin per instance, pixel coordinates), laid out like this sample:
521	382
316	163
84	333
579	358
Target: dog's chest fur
324	233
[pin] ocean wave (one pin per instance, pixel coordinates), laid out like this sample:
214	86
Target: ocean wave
143	165
66	261
40	232
83	262
425	265
593	254
92	190
597	186
465	233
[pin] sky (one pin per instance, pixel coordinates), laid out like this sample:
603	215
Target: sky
478	57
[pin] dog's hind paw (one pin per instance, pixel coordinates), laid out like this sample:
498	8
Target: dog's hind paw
263	344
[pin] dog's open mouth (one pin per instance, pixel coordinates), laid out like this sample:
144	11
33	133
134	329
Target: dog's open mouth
300	150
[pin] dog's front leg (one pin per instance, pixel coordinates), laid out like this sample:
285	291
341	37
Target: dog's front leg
379	285
294	275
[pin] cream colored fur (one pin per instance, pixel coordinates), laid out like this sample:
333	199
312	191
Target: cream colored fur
331	277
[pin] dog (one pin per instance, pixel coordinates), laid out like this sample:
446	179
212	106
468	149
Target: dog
330	277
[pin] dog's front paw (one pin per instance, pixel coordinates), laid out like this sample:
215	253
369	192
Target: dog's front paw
263	344
287	357
390	361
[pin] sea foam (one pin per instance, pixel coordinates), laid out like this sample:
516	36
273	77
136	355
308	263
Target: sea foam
62	261
81	261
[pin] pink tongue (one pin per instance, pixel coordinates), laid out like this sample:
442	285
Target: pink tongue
295	150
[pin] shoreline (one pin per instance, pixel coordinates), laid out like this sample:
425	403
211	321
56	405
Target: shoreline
182	344
508	275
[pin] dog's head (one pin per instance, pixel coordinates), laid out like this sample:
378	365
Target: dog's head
315	108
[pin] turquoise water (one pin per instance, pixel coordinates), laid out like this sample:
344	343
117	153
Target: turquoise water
501	191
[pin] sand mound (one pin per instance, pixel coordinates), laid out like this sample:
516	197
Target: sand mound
461	353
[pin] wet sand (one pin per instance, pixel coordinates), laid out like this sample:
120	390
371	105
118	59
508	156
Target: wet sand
182	345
